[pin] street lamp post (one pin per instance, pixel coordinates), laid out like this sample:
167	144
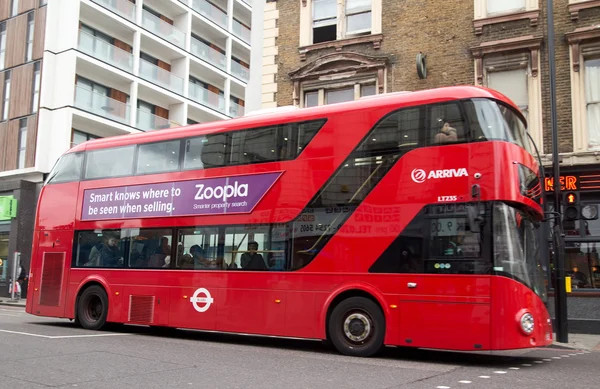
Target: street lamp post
560	293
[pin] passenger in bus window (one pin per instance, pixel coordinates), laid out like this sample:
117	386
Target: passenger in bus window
164	247
447	134
110	255
200	260
252	260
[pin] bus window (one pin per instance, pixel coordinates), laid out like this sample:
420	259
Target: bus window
214	150
150	248
199	248
489	120
193	153
158	157
306	132
254	146
67	169
115	162
256	247
100	248
446	124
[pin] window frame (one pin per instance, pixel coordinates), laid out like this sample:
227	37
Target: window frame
36	86
3	44
321	88
306	25
481	17
6	95
22	146
14	8
29	35
87	154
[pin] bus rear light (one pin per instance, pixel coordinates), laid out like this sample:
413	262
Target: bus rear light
527	323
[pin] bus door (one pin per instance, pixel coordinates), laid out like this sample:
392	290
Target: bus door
50	280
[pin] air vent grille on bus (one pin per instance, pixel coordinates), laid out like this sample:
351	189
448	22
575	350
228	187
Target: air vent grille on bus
52	273
141	309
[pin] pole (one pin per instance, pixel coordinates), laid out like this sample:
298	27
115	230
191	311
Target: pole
15	271
560	293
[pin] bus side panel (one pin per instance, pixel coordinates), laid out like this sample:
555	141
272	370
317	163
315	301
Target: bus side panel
446	312
302	315
51	277
146	305
510	300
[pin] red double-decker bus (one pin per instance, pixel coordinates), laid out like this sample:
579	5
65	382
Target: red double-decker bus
406	219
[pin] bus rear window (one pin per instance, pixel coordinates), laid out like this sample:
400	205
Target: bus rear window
489	120
67	169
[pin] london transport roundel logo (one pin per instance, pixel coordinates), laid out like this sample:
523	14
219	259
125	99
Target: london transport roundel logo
418	176
201	304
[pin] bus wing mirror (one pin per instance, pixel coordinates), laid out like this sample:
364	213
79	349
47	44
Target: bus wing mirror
474	218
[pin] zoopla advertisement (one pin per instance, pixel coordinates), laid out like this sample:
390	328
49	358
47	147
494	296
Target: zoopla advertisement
223	195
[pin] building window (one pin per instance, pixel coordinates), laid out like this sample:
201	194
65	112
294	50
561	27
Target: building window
495	7
79	137
37	77
43	3
513	70
513	84
14	7
22	150
495	11
6	95
330	22
592	101
337	93
29	42
2	44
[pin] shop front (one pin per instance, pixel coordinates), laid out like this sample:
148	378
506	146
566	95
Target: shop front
18	200
580	199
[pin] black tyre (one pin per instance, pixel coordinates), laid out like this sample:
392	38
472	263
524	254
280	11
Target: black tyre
92	308
357	327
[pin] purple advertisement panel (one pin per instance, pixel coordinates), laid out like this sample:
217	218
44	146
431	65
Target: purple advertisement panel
238	194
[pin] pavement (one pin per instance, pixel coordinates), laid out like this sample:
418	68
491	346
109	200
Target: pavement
40	352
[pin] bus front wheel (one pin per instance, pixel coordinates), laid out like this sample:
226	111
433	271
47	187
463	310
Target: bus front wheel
92	308
357	327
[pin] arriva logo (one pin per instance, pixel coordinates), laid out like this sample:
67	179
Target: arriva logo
419	175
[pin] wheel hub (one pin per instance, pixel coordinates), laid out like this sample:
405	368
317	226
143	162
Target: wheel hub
357	327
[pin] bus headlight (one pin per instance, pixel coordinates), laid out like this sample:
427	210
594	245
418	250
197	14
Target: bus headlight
527	323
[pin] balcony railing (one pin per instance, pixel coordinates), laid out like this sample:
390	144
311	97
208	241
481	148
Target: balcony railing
207	53
240	70
207	98
162	29
211	11
121	7
235	109
147	121
101	105
105	52
241	31
160	76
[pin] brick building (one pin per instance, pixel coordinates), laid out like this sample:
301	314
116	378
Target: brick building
323	51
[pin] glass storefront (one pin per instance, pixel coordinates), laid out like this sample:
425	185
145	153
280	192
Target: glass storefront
4	273
582	243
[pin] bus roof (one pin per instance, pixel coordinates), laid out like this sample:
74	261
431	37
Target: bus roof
274	116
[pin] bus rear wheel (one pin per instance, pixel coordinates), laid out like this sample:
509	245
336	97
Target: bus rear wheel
92	308
357	327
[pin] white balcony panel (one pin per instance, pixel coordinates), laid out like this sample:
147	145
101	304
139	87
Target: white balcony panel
162	77
207	98
147	121
105	52
240	71
241	31
101	105
163	29
208	54
121	7
235	110
211	12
